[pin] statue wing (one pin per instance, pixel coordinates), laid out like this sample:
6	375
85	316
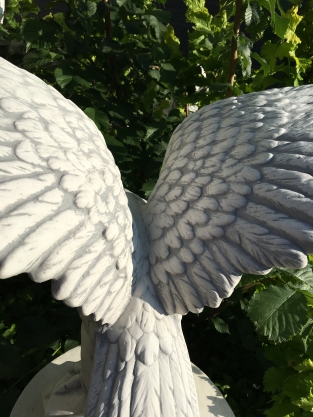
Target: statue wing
64	212
234	196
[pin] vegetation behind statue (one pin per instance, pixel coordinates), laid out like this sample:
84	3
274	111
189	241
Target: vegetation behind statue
121	63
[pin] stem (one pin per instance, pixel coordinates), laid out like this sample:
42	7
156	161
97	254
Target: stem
233	49
186	107
113	64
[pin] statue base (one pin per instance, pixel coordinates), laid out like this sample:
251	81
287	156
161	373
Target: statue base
56	391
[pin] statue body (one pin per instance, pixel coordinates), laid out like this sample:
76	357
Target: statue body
234	195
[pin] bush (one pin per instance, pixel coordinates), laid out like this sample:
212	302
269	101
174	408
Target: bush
121	63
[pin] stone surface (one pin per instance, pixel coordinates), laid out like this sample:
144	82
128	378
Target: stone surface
62	377
234	196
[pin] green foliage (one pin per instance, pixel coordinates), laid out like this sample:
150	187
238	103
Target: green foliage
121	63
34	330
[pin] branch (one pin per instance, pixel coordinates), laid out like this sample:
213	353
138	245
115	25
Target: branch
233	49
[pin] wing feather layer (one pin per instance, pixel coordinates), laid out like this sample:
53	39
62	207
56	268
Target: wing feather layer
60	194
236	187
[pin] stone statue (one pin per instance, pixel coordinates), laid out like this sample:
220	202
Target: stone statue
234	195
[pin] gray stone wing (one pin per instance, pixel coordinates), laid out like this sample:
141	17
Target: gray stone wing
63	210
234	196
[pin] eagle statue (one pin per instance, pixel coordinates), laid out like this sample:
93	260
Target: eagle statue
234	196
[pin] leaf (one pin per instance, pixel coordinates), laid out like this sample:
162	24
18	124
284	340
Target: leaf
92	8
38	57
32	29
270	6
148	187
162	15
98	117
281	26
306	365
274	378
61	78
305	403
303	278
70	344
167	66
281	409
156	24
278	312
251	14
81	81
298	387
220	325
244	45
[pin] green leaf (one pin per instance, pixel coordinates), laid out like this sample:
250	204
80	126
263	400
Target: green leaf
305	403
281	408
81	81
281	26
161	15
305	275
38	57
306	365
274	378
148	187
299	388
278	312
264	65
63	80
98	117
32	29
220	325
251	14
270	6
70	344
92	8
156	24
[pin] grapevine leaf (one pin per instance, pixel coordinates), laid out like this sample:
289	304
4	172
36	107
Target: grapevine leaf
307	364
274	378
281	408
278	312
281	26
305	403
298	387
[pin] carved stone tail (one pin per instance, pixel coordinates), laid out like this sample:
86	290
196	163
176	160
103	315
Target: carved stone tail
142	367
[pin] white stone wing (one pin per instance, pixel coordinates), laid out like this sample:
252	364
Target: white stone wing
141	365
63	211
234	196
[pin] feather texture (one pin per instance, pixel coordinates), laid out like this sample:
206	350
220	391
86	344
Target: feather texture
142	367
64	213
236	191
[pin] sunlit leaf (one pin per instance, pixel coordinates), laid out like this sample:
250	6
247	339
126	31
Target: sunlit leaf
278	312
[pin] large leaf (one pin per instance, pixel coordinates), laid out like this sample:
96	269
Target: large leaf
38	57
99	117
278	312
32	29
